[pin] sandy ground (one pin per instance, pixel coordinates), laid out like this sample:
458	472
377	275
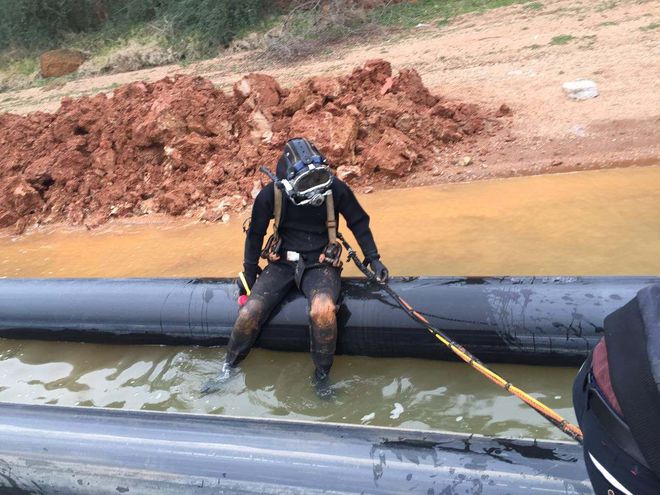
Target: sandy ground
505	55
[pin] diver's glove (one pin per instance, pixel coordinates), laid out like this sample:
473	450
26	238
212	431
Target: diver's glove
382	273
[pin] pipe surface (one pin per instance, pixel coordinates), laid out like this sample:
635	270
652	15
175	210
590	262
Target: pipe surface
536	320
55	450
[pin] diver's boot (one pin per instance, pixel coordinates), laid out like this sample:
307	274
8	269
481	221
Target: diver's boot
227	372
321	379
322	385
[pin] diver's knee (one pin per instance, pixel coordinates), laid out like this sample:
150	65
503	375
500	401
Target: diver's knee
322	311
254	305
249	315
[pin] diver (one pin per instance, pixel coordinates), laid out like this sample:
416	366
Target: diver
304	200
616	397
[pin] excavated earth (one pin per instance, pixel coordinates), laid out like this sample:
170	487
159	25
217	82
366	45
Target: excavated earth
180	146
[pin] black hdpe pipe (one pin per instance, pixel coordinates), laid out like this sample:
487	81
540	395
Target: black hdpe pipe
537	320
53	450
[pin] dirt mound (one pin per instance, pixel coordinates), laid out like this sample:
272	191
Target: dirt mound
181	146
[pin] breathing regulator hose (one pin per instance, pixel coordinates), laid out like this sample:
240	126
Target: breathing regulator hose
548	413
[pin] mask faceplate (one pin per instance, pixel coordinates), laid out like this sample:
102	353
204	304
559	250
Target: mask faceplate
309	185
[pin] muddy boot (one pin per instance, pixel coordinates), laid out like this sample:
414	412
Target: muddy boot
322	385
216	384
243	335
323	341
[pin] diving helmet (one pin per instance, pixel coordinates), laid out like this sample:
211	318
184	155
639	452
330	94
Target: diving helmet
304	173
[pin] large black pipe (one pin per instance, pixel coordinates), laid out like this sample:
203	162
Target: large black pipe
539	320
55	450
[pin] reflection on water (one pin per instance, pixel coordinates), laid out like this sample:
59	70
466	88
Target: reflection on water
604	222
429	394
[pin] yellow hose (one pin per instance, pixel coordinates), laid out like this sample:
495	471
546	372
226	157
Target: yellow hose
571	429
568	428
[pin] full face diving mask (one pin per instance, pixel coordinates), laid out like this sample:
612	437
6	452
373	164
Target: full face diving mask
308	183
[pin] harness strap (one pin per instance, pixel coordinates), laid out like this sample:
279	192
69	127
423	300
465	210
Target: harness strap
277	209
331	221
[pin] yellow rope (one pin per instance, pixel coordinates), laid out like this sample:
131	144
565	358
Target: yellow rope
537	405
501	382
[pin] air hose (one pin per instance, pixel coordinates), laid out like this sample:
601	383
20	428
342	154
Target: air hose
548	413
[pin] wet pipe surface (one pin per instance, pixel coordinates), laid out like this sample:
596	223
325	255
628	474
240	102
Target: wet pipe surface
50	448
540	320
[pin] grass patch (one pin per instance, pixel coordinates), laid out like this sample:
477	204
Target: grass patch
315	29
650	27
409	14
608	23
534	6
562	39
310	30
18	73
533	47
55	82
587	42
565	11
607	5
23	66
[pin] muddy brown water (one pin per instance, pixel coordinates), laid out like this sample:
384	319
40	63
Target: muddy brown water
589	223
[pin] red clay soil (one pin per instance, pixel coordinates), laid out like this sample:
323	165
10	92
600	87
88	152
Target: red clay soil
181	146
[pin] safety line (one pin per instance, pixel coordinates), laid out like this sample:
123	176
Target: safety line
547	412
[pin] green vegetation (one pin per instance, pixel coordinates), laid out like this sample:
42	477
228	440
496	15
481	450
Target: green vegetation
24	66
120	35
608	23
194	28
607	5
204	24
562	39
650	27
312	29
125	35
534	6
409	14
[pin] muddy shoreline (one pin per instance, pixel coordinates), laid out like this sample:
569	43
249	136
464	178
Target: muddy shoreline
165	220
232	231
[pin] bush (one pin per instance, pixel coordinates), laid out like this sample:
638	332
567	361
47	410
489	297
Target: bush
312	25
212	22
40	24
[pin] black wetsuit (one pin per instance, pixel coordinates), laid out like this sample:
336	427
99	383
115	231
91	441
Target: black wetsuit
302	230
